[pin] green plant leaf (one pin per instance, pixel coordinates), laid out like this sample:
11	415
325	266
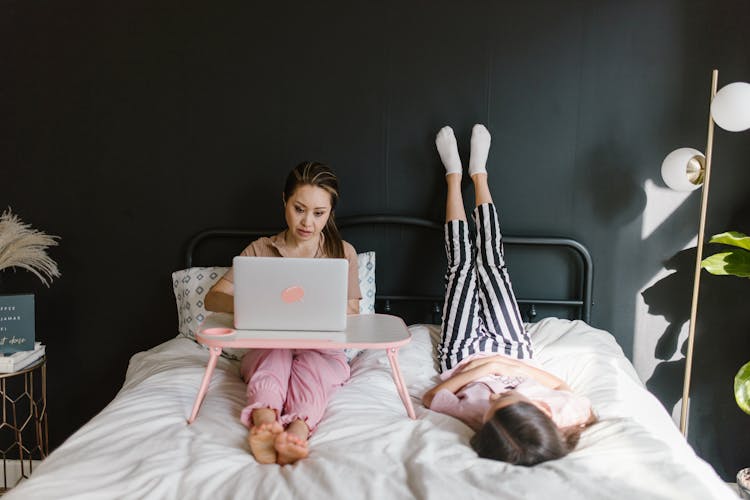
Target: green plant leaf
735	262
733	238
742	388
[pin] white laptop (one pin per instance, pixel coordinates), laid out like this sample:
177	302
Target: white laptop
272	293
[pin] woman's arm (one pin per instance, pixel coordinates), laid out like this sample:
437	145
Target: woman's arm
353	291
220	297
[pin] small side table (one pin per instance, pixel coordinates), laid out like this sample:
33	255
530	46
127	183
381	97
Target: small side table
23	428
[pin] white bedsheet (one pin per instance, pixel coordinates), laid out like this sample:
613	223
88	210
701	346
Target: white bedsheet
140	445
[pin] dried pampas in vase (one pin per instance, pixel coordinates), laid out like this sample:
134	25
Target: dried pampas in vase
24	247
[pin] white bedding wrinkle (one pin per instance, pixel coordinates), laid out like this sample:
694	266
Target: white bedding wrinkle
140	445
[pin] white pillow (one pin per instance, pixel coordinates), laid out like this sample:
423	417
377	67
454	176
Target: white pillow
191	285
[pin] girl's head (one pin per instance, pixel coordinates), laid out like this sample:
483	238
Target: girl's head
520	431
311	192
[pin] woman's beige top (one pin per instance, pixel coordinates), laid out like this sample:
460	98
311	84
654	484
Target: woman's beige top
276	246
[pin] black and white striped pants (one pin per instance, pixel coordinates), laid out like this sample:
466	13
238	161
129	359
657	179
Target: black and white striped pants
480	312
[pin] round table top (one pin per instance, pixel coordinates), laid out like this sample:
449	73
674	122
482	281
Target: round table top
33	366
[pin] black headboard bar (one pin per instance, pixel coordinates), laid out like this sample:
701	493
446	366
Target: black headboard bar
222	233
583	302
587	266
363	220
587	269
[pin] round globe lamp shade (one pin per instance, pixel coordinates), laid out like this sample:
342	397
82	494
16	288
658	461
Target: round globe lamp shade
730	108
682	169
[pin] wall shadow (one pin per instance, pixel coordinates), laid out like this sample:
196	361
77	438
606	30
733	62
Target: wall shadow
670	297
615	188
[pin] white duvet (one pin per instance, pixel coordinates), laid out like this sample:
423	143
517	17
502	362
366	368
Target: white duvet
140	445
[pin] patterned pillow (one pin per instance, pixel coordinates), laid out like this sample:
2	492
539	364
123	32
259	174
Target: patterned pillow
366	262
192	284
190	287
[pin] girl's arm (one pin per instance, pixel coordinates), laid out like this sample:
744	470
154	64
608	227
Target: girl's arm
545	378
503	365
455	383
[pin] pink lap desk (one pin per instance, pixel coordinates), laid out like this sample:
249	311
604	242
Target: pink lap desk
363	331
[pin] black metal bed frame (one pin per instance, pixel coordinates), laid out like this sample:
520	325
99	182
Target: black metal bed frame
581	303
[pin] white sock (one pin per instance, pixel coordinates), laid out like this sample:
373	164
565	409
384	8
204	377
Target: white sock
448	149
480	148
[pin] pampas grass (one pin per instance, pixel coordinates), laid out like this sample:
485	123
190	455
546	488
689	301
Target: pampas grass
24	247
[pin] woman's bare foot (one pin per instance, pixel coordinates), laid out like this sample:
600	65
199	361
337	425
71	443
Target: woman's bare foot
262	438
290	448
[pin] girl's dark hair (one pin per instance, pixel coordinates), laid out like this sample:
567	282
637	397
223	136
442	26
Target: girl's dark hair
522	434
313	173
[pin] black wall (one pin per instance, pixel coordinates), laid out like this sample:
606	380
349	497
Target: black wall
129	126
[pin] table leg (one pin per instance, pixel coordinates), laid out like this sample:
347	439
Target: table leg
214	353
399	381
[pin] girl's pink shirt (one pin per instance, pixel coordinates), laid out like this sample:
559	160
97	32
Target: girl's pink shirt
472	402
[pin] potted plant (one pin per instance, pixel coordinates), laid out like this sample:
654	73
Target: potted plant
735	261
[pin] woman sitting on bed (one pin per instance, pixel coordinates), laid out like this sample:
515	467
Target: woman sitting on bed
291	387
521	413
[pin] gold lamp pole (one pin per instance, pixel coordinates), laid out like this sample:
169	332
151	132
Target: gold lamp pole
706	170
686	169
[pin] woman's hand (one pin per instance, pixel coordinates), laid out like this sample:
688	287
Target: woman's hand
352	306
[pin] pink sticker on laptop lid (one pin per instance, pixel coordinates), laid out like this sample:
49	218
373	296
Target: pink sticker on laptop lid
293	294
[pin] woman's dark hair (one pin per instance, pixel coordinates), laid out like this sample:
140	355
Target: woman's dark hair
313	173
522	434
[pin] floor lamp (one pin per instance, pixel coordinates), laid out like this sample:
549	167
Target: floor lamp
686	169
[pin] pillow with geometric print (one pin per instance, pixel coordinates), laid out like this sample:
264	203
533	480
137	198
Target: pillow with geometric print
190	288
366	265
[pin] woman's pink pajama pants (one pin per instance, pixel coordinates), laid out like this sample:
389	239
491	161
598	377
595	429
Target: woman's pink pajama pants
297	383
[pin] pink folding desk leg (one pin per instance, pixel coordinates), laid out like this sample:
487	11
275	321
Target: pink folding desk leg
399	381
214	353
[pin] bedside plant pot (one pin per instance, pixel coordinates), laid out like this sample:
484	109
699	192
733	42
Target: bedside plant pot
743	483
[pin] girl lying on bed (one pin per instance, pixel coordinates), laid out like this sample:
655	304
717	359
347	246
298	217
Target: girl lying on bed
291	387
521	413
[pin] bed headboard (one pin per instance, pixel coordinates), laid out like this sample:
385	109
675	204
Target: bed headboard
551	276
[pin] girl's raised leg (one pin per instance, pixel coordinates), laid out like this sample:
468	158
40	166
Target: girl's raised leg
448	150
460	311
504	329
